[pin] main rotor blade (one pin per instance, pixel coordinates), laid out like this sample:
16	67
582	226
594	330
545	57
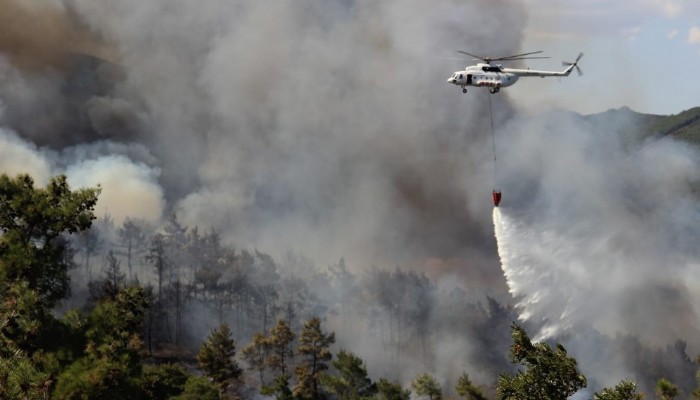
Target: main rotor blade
508	58
470	54
519	58
518	55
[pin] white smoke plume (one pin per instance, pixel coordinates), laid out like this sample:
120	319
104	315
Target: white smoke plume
129	189
20	157
129	186
594	234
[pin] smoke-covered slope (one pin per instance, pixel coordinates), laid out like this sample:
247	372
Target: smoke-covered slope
638	126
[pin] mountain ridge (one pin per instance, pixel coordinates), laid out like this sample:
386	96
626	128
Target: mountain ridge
635	125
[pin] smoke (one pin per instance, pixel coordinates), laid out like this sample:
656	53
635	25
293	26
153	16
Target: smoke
129	185
18	156
315	120
38	35
128	189
595	232
321	127
326	127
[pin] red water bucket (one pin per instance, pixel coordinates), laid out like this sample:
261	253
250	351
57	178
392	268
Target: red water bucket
496	197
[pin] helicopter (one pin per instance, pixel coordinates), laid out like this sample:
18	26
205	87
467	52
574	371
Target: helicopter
495	76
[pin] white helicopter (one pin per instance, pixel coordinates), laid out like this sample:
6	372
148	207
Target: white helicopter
495	76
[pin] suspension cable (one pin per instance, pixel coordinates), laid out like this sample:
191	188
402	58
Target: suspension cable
493	139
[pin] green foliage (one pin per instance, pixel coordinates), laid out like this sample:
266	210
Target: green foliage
113	282
117	323
98	378
314	348
216	357
468	390
426	385
392	390
31	222
279	342
684	125
161	382
22	317
305	389
255	355
34	263
665	390
111	367
550	374
279	389
625	390
20	379
352	381
34	258
199	388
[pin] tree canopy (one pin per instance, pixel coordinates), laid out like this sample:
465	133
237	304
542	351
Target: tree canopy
32	221
550	374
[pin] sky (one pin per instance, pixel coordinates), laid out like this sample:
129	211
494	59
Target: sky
644	54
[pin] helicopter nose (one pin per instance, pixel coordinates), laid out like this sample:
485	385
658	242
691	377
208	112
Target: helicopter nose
450	80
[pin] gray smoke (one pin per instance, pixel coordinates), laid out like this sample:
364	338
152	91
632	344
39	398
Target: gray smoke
326	127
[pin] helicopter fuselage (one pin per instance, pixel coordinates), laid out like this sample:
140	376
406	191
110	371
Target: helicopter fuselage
495	76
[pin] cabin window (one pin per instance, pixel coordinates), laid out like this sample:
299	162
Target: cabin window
460	76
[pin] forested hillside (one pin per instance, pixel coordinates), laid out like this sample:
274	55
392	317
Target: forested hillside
170	312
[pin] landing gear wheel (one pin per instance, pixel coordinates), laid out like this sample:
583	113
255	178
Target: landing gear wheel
464	90
494	90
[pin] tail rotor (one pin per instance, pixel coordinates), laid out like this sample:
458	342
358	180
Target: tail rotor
575	64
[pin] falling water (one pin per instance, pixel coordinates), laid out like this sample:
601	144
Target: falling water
533	269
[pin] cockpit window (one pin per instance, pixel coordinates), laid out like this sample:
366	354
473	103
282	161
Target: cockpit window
460	76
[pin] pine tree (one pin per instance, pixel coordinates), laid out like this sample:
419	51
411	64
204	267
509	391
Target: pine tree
198	388
279	342
313	346
111	367
352	381
114	280
550	374
665	390
133	239
279	388
625	390
32	221
392	390
426	385
468	390
35	257
216	357
255	355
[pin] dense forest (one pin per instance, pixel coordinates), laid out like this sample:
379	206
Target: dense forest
93	311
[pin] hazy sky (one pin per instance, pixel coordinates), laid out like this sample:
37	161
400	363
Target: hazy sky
641	53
